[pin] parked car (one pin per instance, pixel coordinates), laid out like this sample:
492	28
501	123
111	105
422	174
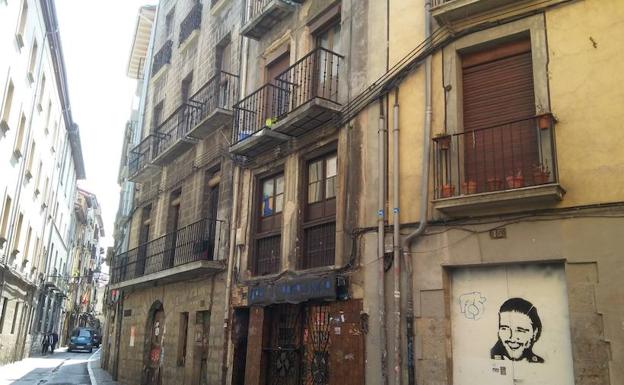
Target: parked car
96	337
81	339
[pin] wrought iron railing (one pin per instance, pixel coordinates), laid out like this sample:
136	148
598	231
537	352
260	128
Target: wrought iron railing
196	242
508	156
141	155
175	127
191	22
319	246
162	57
220	91
258	110
435	3
315	75
267	255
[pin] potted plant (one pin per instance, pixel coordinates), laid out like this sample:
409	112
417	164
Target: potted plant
469	187
494	184
448	190
443	141
541	173
516	180
545	121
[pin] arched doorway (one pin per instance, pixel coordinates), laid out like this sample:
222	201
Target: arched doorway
154	329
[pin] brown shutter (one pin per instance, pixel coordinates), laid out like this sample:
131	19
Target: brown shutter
498	101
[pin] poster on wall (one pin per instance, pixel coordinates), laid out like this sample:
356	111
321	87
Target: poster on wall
132	334
510	324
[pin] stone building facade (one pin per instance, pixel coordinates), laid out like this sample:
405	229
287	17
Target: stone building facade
41	162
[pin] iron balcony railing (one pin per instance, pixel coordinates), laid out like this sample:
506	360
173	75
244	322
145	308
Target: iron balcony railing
191	22
258	110
175	127
514	155
162	57
436	3
257	7
220	91
195	242
313	76
141	155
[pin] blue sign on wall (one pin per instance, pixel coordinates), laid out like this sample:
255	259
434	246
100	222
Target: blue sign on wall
293	291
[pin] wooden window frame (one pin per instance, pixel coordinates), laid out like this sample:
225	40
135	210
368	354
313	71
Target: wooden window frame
257	217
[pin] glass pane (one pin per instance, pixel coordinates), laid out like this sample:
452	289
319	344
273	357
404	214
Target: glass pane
330	188
279	183
267	206
336	46
314	192
279	203
331	166
315	171
267	188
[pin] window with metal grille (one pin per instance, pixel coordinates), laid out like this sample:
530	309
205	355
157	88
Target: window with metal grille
270	204
319	225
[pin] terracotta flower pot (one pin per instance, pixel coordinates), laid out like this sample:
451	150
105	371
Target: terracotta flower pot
448	190
515	181
541	177
469	187
494	184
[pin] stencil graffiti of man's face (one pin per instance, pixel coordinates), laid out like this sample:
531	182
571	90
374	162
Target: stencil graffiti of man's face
516	332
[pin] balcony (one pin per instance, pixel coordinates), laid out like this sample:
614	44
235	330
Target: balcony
189	252
191	22
497	169
214	101
162	57
172	139
262	15
448	11
140	168
301	99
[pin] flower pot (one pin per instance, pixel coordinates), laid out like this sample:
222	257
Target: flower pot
541	177
444	142
448	190
544	121
515	181
469	187
494	184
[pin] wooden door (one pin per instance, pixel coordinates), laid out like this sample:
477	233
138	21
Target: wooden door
276	102
153	375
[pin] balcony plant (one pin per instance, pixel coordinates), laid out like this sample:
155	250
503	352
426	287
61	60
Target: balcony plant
494	184
469	187
541	173
443	140
448	190
515	180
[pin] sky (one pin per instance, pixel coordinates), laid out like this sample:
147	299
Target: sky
96	37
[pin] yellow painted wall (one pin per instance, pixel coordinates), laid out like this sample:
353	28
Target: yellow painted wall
587	97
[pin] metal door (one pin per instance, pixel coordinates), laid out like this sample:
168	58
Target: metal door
153	375
284	351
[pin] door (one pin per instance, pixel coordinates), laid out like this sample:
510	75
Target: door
212	223
171	239
284	350
200	355
225	65
326	79
152	374
276	102
510	325
143	239
498	104
240	331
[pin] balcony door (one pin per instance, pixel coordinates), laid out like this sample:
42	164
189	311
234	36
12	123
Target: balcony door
498	107
172	229
143	239
276	102
326	80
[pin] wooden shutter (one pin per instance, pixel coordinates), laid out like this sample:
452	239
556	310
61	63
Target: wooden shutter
498	103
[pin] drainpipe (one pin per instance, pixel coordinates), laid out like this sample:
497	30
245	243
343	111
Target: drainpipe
396	236
228	282
381	154
422	222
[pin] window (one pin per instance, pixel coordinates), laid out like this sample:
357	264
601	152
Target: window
17	151
4	225
15	314
319	222
6	108
27	245
41	92
169	19
29	164
18	232
185	89
268	231
5	303
33	61
21	26
182	337
157	115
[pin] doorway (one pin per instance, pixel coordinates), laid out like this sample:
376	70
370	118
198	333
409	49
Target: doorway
152	357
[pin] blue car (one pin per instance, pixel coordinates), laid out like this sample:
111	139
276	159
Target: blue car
81	339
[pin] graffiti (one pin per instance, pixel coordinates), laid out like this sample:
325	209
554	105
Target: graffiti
519	328
472	305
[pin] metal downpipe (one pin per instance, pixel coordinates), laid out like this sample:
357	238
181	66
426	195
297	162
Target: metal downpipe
381	154
396	265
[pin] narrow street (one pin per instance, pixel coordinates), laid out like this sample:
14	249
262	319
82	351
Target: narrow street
60	368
